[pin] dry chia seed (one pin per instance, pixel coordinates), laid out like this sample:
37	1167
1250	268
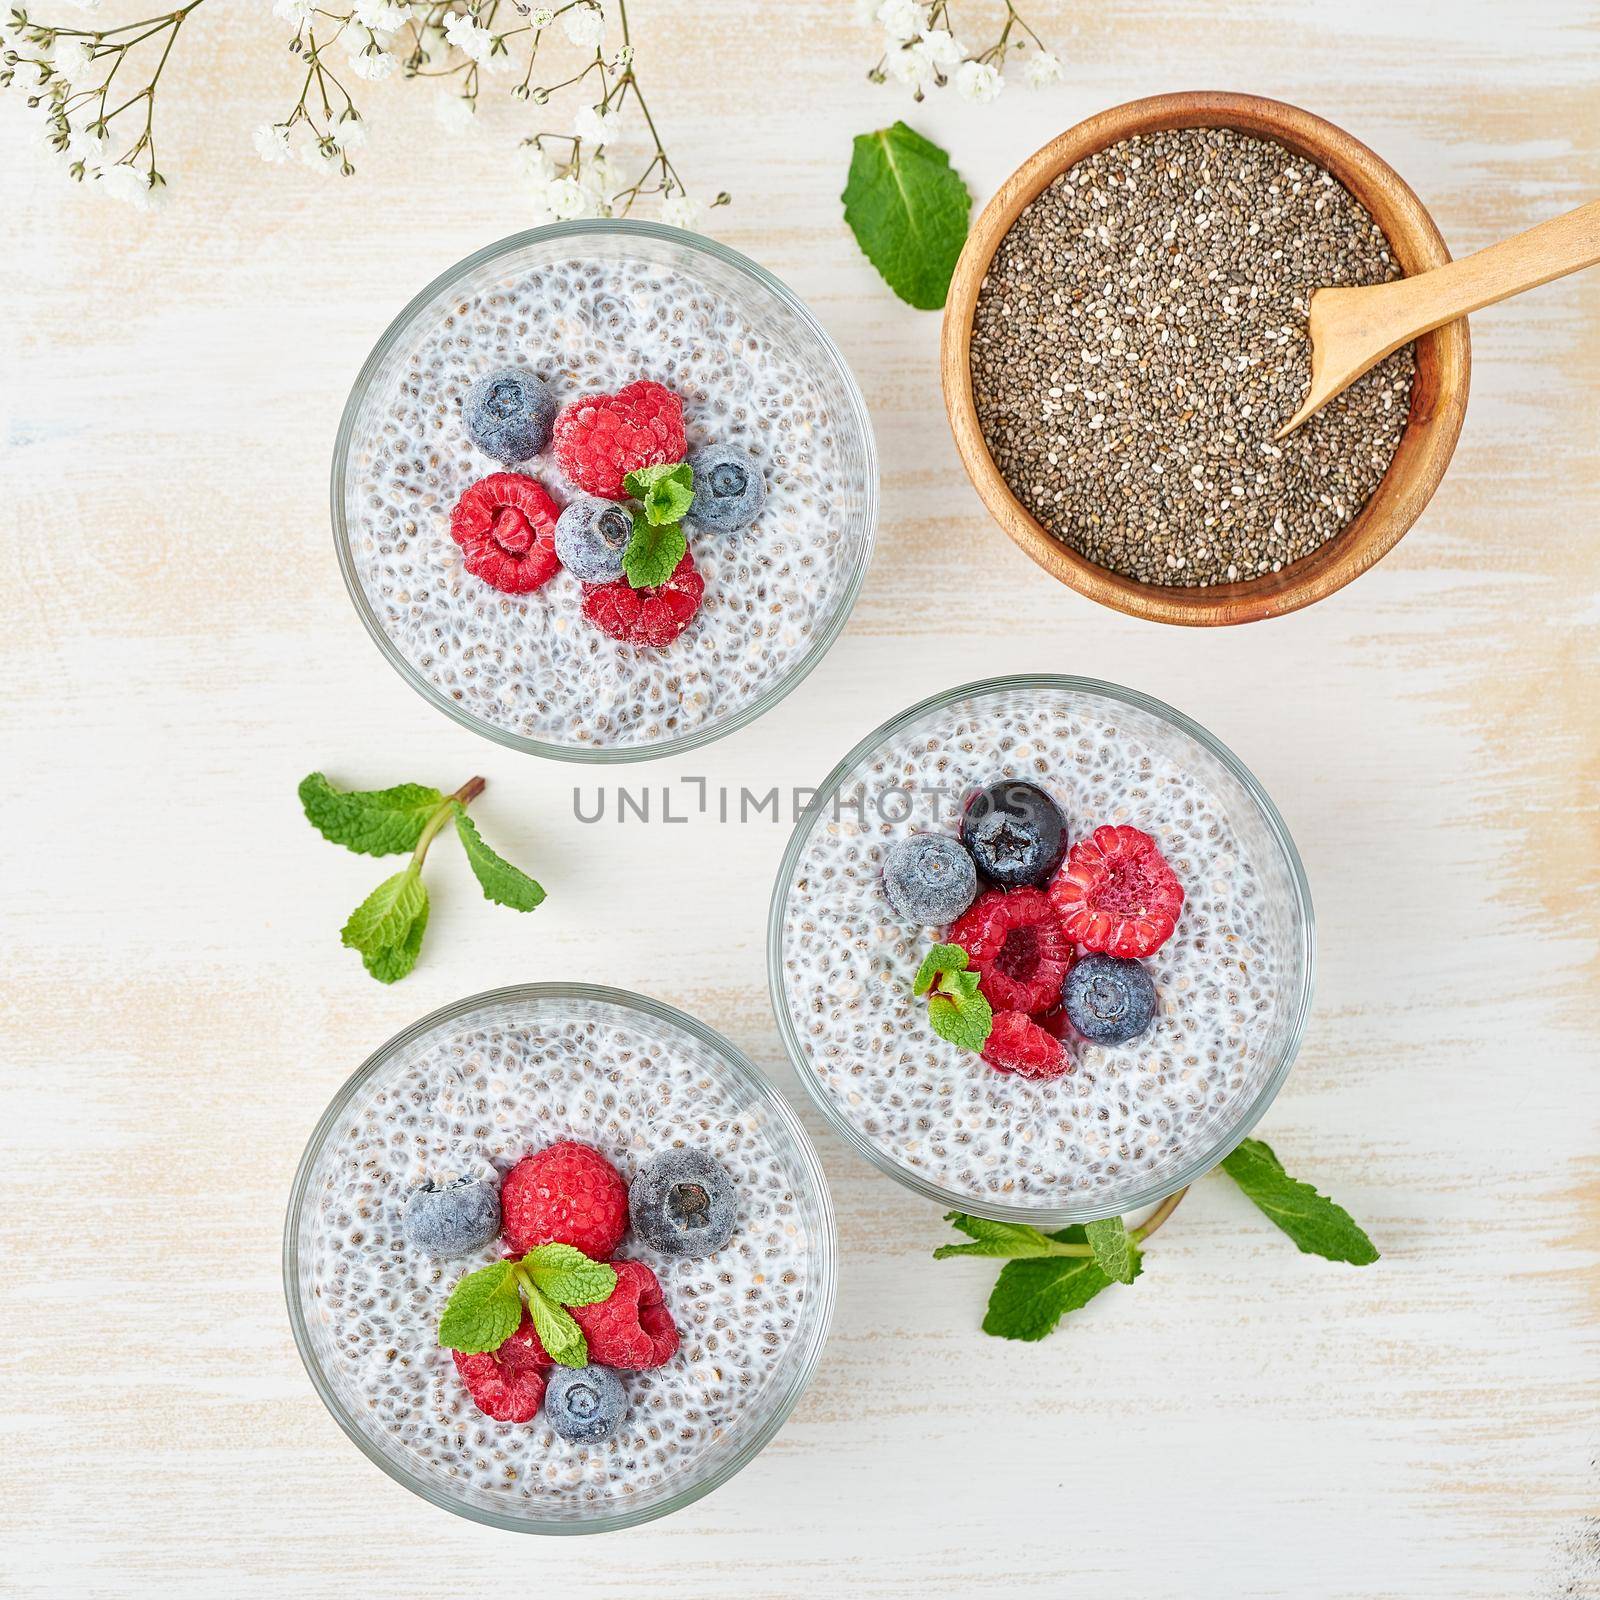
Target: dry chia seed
1141	335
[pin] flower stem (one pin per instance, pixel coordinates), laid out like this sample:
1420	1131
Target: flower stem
464	796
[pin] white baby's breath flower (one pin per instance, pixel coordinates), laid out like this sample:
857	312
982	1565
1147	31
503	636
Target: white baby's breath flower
566	197
541	17
942	48
381	16
534	163
318	159
978	82
127	184
911	66
375	66
350	134
679	210
467	37
454	114
70	58
592	125
901	19
585	25
623	59
272	142
297	13
87	147
158	194
1043	69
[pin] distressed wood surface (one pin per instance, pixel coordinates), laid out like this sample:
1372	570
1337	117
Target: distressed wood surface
176	1012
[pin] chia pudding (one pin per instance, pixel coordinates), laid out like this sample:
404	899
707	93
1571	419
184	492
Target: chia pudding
474	1090
1140	336
589	310
1121	1123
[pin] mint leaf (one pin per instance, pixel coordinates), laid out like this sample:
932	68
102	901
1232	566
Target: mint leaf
1012	1240
503	883
666	492
372	822
483	1311
1031	1297
653	552
1114	1251
391	964
959	1013
384	919
567	1275
561	1337
1317	1225
908	209
941	958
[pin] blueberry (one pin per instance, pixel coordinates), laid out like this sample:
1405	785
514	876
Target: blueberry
682	1204
729	490
1109	1000
449	1219
585	1404
591	535
1015	833
508	414
929	879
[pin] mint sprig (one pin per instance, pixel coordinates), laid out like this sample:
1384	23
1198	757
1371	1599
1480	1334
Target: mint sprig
665	492
485	1307
386	929
1048	1275
653	552
956	1009
908	208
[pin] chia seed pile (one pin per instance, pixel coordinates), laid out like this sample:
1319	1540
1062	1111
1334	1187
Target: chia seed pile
1127	1116
480	1091
1141	335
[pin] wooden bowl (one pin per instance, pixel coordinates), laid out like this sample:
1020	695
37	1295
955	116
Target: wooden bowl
1438	394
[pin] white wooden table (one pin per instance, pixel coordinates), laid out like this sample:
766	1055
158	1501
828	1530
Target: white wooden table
178	651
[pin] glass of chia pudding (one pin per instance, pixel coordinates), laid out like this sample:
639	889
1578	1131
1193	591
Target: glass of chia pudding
1042	949
521	1142
511	397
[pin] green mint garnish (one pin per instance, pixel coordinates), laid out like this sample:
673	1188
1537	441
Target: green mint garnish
908	208
485	1307
387	927
1114	1251
653	552
942	958
374	822
1317	1225
1049	1274
666	492
484	1310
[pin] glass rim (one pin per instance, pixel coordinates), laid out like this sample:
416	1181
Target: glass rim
1043	1216
827	1263
821	642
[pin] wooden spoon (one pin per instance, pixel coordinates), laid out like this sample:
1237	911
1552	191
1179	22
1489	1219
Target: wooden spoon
1354	329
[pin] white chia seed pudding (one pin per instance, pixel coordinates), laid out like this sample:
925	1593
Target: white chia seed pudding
590	308
485	1084
1233	981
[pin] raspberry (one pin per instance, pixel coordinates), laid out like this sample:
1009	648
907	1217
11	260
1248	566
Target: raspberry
633	1329
1117	894
507	1384
1018	1044
506	527
600	439
567	1193
652	617
1014	942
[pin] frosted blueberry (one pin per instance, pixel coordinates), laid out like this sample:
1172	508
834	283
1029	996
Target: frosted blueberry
729	490
585	1404
929	879
1109	1000
452	1218
1016	834
591	536
508	414
682	1204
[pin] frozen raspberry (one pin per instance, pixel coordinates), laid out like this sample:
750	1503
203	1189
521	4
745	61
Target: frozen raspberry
600	439
567	1193
1015	943
1117	894
633	1329
1017	1043
507	1384
651	617
506	527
